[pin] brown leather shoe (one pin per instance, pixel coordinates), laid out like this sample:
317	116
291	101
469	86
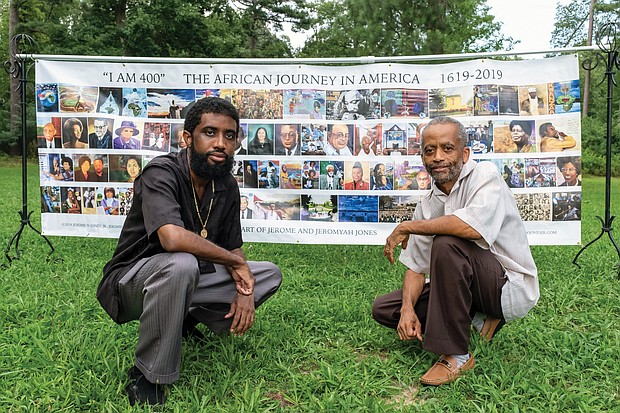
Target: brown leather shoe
490	327
445	370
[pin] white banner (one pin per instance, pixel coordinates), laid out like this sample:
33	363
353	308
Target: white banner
330	153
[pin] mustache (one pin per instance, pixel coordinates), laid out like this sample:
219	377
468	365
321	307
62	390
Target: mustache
218	151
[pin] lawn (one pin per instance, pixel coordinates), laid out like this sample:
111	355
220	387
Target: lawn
314	347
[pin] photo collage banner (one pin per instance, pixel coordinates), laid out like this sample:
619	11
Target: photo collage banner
329	154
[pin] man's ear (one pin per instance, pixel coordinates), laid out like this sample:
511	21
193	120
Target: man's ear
466	153
188	138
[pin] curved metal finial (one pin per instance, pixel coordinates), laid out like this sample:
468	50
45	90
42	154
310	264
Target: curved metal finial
20	44
606	38
608	43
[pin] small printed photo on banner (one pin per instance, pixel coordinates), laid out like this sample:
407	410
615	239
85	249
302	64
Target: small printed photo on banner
287	139
310	173
569	171
127	134
567	97
50	199
396	209
246	206
567	206
275	206
515	136
381	176
534	100
258	104
358	208
314	139
260	139
559	134
134	102
205	93
107	201
319	208
125	168
340	139
83	170
304	104
242	138
237	172
508	100
50	168
540	172
156	136
125	200
250	174
368	142
332	175
100	133
356	175
453	101
47	97
486	100
414	138
268	174
89	203
177	141
48	132
479	135
394	139
74	133
512	171
109	101
168	103
78	99
100	168
356	104
534	207
70	200
290	175
404	103
410	176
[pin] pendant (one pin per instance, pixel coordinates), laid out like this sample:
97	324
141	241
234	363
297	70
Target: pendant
204	233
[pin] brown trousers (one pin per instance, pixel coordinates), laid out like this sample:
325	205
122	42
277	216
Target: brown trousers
464	279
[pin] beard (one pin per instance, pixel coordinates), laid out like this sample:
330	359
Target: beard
198	162
454	170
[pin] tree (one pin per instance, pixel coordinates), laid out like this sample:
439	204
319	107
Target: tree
399	27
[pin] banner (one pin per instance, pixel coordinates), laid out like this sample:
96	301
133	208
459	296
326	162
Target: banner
330	154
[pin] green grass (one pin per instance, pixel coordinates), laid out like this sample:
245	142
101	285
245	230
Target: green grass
314	347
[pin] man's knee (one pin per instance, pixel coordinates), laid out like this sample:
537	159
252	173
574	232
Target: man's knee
445	242
268	273
182	269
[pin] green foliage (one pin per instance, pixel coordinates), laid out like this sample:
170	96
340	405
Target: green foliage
398	27
314	346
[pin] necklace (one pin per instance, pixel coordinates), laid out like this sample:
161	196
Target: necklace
204	231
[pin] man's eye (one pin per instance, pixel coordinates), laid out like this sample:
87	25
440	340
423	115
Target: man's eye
231	135
209	132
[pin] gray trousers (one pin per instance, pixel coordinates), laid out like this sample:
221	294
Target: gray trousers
161	290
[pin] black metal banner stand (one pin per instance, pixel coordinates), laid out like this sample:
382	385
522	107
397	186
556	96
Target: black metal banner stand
17	68
608	44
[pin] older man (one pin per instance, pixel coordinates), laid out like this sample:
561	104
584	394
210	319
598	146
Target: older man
468	237
338	140
287	142
49	139
102	137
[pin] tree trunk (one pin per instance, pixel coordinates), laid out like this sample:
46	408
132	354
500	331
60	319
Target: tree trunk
586	82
